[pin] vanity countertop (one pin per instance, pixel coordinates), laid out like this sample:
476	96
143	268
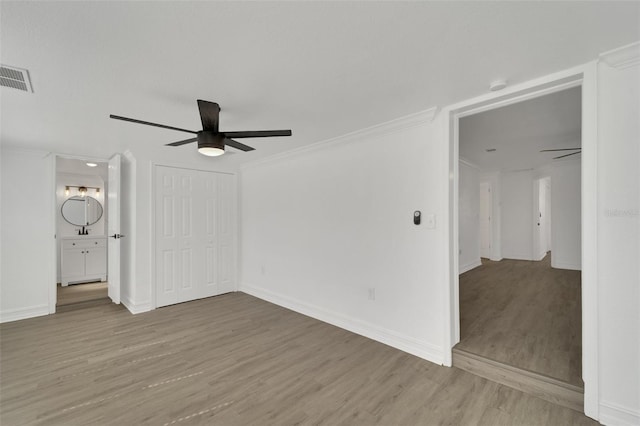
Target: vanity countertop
82	237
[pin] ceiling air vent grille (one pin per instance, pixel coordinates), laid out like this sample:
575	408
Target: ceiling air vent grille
16	78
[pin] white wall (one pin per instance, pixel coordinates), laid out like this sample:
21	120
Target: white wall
28	244
517	215
325	227
619	236
469	216
566	222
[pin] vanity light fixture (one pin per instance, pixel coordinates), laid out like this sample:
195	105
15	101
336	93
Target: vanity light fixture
82	190
92	164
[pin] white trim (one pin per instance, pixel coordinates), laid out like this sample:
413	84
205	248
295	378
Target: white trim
518	256
24	313
53	289
585	76
614	414
153	291
135	308
389	127
565	265
404	343
469	266
589	256
469	163
131	233
622	57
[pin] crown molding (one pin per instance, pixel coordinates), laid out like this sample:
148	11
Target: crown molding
622	57
389	127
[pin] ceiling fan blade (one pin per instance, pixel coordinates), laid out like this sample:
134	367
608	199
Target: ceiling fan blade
209	115
133	120
258	133
237	145
184	142
566	155
561	149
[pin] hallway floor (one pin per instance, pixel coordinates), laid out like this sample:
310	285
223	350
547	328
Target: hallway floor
77	293
524	314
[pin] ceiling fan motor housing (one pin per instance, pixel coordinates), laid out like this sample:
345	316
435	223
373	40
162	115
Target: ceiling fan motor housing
210	143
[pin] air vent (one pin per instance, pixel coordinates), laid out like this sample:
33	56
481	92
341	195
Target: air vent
16	78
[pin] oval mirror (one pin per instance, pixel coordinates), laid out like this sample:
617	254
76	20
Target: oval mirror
82	211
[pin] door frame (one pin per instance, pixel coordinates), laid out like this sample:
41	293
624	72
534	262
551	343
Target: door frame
53	290
538	183
584	76
488	184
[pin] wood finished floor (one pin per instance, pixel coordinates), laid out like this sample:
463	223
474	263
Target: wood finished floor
235	360
77	293
525	314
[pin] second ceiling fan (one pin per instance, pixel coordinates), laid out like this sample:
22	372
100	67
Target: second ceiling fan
211	141
578	151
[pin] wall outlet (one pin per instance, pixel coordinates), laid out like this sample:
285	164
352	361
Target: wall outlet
372	293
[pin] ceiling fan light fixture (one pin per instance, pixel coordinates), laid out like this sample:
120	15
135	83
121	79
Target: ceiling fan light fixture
210	144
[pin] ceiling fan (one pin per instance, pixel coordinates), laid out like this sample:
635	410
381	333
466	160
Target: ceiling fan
578	151
211	141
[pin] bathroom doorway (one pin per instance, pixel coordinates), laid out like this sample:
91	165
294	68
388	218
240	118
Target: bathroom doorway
81	233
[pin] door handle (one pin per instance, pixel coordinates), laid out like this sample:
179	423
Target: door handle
116	236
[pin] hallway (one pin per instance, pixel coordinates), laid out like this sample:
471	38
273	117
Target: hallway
524	314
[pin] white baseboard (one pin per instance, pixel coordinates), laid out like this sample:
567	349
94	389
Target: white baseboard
615	415
517	256
565	265
407	344
24	313
135	308
469	266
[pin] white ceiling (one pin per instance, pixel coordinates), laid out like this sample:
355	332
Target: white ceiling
520	131
320	68
79	167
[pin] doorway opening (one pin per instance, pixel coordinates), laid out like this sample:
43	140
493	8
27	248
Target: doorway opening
81	233
522	306
584	78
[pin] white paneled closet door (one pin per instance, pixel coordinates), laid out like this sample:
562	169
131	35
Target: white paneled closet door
210	198
195	234
227	232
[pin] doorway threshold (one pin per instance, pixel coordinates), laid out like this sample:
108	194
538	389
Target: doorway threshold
529	382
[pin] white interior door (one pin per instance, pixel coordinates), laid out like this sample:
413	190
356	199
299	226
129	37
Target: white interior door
113	227
486	203
542	217
194	233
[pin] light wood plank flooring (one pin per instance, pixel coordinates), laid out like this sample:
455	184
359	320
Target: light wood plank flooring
524	314
77	293
235	360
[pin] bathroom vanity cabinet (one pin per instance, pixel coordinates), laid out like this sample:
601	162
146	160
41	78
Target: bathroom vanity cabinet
83	259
